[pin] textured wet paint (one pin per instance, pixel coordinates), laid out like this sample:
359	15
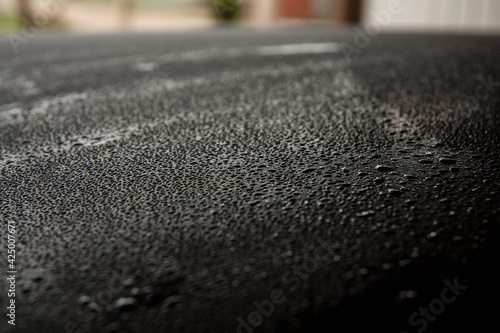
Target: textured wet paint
158	192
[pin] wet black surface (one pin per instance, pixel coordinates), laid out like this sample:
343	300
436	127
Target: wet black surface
168	182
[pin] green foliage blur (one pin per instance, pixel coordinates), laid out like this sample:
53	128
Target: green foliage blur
227	10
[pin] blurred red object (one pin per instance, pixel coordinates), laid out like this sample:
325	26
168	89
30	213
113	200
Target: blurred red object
295	8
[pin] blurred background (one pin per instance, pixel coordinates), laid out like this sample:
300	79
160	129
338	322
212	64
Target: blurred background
458	16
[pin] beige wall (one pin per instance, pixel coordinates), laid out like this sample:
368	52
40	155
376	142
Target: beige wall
262	12
474	16
8	6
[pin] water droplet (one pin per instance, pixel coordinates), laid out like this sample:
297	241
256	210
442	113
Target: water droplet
386	266
404	262
447	161
84	299
406	294
383	168
366	213
395	192
432	235
125	303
